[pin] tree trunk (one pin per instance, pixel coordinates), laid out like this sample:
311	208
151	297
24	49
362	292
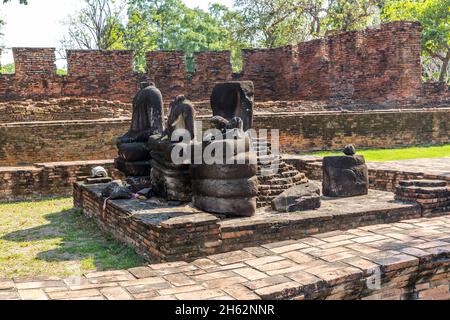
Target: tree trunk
444	67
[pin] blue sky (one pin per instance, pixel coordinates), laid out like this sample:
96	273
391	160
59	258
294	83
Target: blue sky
39	23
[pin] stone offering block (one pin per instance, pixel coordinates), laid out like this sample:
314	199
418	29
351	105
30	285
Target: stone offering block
298	198
345	176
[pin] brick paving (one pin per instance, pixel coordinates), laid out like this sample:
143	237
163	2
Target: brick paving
333	265
438	168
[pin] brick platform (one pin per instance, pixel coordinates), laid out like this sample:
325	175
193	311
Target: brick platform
162	232
406	260
50	179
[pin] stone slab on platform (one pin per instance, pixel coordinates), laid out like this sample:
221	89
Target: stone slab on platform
407	260
163	232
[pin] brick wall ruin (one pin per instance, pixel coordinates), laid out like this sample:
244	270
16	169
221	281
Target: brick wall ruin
53	179
30	142
376	65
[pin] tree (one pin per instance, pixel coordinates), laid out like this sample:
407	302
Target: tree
96	26
271	23
347	15
20	1
6	1
171	25
434	16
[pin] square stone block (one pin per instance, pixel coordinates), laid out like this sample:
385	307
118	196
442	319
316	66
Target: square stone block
345	176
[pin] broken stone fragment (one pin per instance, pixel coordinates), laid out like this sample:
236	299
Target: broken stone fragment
146	193
115	190
298	198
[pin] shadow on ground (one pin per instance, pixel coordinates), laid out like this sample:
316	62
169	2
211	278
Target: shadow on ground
73	238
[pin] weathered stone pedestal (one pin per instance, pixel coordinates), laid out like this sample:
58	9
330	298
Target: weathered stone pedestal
345	176
170	181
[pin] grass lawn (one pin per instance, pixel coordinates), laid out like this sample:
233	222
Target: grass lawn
399	154
51	238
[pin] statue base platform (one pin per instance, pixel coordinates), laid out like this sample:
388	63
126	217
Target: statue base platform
161	231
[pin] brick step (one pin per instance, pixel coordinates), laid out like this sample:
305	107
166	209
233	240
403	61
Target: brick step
290	173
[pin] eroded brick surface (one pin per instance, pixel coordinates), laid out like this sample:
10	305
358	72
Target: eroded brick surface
417	271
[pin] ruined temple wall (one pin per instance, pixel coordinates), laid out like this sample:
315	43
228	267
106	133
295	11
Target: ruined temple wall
167	69
31	142
375	66
102	74
210	67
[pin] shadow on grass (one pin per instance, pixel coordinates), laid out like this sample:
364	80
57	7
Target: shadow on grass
79	240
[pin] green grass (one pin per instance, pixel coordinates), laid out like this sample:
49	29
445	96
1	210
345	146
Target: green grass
399	154
51	238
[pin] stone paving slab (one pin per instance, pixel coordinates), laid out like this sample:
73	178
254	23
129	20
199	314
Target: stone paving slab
411	260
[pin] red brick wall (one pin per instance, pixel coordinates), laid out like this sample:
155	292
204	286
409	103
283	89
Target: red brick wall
378	65
95	139
47	179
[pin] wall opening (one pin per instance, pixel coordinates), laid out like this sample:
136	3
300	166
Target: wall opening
237	60
140	63
7	65
61	62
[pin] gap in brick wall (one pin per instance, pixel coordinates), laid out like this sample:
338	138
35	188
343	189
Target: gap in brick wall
7	65
140	64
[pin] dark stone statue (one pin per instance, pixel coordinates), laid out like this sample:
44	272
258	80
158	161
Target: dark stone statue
169	180
345	176
234	99
147	120
181	116
148	115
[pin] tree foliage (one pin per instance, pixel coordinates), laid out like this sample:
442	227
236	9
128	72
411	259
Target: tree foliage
6	1
96	26
171	25
434	16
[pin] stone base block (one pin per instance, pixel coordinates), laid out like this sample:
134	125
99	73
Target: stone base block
230	207
345	176
171	184
137	168
138	183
